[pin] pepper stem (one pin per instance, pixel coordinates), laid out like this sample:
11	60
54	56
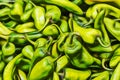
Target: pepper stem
101	42
6	4
103	65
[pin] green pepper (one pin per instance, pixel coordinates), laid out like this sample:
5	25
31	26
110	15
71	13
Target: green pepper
20	39
64	26
4	13
4	30
44	70
17	10
98	24
54	52
110	10
61	63
115	58
2	65
53	13
65	4
25	27
51	30
88	33
39	19
113	27
102	76
74	74
26	15
28	6
9	68
77	53
55	76
115	75
10	24
28	51
8	49
22	75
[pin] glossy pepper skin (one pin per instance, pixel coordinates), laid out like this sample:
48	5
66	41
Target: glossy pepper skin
76	53
113	27
102	76
88	33
8	71
17	10
73	74
65	4
99	24
115	58
39	19
44	70
110	10
115	75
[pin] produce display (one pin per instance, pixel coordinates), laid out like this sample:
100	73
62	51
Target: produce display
59	39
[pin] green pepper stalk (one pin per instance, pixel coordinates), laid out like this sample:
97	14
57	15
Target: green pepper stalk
9	68
88	33
74	74
68	5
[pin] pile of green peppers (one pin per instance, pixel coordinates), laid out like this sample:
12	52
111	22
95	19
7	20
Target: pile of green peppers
59	40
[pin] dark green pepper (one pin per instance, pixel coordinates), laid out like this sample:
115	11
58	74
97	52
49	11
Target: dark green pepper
77	53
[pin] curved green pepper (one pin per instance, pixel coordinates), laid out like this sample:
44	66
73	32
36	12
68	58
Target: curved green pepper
88	33
8	71
22	75
8	49
28	51
4	30
73	74
39	19
44	70
17	10
2	65
76	53
25	27
115	75
65	4
102	76
53	13
61	63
